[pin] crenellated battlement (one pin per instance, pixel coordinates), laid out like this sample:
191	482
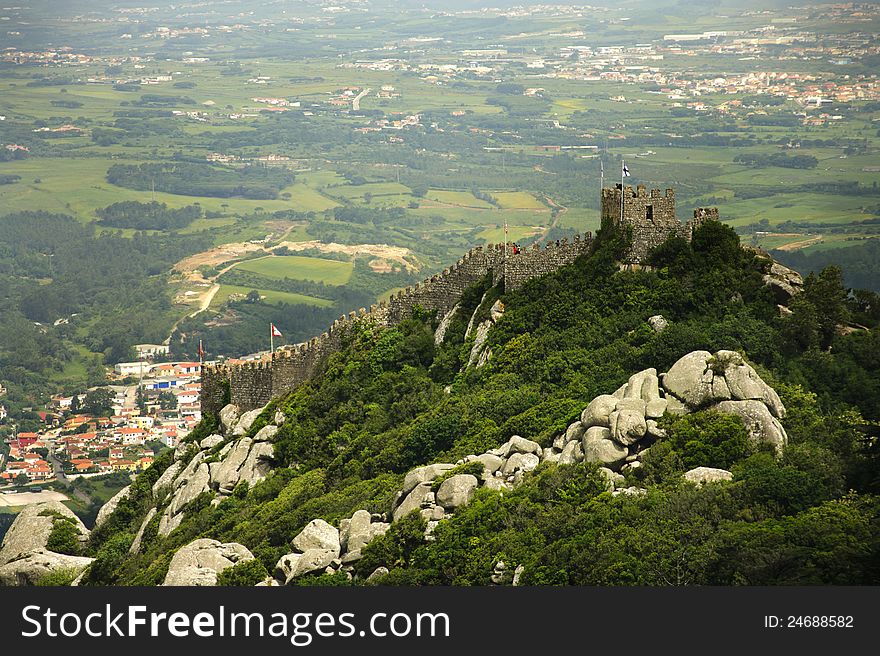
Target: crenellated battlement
650	215
253	384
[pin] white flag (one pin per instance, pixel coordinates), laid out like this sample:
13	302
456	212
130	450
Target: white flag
625	170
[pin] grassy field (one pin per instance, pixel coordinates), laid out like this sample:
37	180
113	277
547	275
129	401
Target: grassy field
820	208
78	187
517	200
495	235
458	198
269	296
329	272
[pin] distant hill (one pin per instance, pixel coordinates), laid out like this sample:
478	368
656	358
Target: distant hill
860	264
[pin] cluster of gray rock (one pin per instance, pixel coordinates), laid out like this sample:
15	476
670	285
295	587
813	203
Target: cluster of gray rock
218	465
320	547
785	283
201	561
498	469
480	352
24	558
615	430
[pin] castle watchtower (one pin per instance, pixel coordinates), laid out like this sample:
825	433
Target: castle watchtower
650	216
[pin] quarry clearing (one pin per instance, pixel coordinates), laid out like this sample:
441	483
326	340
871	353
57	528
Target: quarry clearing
201	290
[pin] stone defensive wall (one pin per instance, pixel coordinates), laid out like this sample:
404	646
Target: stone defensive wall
253	384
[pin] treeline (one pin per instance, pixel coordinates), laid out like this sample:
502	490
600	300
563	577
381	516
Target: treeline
860	264
245	329
109	291
244	324
195	179
147	216
777	159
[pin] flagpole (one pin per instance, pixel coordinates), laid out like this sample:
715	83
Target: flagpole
622	169
505	252
271	338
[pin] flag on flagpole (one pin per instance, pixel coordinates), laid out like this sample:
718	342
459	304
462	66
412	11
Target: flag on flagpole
275	331
201	350
625	170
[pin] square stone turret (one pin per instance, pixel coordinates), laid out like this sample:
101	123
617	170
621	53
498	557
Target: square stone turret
650	215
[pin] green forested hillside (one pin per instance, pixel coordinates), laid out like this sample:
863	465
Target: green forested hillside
69	293
393	400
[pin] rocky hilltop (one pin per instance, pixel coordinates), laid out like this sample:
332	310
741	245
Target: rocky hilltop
693	418
614	431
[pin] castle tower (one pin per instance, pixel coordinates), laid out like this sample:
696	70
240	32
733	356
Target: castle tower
649	215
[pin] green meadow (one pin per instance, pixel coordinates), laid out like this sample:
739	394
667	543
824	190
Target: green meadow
329	272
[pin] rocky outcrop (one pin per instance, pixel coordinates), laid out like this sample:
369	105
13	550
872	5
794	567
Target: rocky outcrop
658	322
320	547
785	283
457	491
33	566
24	558
139	536
31	529
702	475
199	562
440	333
480	352
108	508
615	429
219	465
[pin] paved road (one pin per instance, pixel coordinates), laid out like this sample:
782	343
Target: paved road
60	476
356	103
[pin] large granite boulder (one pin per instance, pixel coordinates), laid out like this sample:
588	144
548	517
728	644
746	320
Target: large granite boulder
246	421
412	501
224	474
762	426
421	475
258	463
108	508
703	475
783	282
599	447
229	415
598	412
520	462
517	444
210	442
745	384
33	566
31	529
457	491
165	482
319	535
191	487
690	379
199	562
266	433
312	560
628	421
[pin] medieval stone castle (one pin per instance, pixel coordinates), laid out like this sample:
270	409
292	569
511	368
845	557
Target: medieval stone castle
650	216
